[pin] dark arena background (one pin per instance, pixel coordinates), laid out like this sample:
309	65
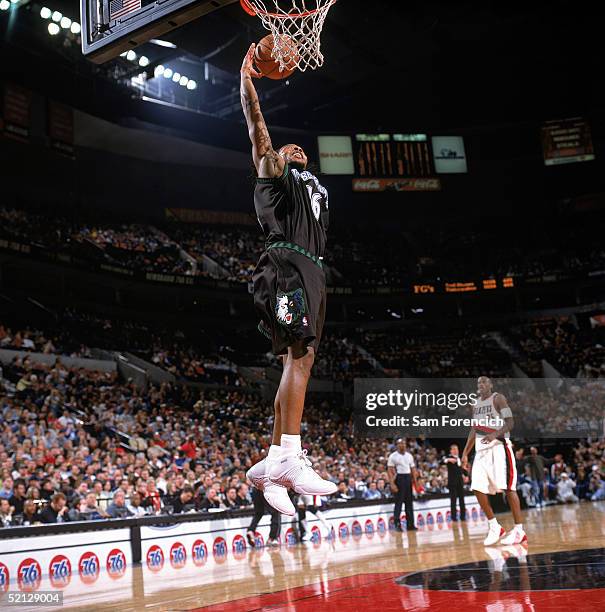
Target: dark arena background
462	147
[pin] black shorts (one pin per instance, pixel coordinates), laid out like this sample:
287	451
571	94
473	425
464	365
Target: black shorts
290	298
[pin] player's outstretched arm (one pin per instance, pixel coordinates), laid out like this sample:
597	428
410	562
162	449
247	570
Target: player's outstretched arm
269	164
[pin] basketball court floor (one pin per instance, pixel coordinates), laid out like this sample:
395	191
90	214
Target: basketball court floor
441	566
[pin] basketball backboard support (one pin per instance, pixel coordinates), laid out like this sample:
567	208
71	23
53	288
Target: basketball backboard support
110	27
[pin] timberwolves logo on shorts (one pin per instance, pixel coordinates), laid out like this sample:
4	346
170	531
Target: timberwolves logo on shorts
290	307
59	571
199	553
29	575
155	558
89	567
116	564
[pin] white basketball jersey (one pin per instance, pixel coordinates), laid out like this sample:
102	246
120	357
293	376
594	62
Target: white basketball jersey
487	420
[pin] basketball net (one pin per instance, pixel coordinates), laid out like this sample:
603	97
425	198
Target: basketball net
301	23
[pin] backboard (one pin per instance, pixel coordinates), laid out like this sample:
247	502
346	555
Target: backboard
110	27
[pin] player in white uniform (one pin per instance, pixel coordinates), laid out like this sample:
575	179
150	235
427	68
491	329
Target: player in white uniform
494	469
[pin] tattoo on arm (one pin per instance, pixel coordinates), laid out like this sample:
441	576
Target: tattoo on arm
257	128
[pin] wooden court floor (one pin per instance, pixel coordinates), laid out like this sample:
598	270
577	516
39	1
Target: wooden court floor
433	568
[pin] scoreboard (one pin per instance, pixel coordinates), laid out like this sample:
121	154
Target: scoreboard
402	155
470	286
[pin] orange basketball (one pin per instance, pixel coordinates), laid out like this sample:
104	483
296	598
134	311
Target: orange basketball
267	65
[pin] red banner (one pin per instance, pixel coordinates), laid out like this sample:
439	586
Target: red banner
61	127
396	184
17	105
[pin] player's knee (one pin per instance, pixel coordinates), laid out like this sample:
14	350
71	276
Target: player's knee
302	357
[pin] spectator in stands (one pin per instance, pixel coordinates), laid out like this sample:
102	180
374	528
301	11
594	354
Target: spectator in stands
597	487
118	508
88	509
372	492
536	465
30	516
211	501
6	513
565	489
18	498
6	492
56	511
183	501
342	494
244	500
231	502
134	506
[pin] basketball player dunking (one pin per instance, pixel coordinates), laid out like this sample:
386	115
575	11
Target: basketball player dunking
289	294
494	467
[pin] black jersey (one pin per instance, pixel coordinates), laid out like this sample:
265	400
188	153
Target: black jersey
293	208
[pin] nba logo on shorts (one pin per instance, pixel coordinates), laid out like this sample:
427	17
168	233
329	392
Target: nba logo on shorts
315	536
474	513
356	530
199	553
219	550
59	571
239	547
29	575
381	527
343	532
369	528
178	555
155	558
420	520
4	577
89	567
116	564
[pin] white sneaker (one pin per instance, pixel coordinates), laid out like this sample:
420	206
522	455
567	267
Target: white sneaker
295	472
257	475
514	536
493	535
276	495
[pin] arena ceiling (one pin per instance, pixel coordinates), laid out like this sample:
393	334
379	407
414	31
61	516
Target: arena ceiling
411	65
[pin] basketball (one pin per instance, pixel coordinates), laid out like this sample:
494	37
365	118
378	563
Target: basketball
267	65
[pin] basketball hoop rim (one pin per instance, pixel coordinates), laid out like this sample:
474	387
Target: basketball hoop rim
287	15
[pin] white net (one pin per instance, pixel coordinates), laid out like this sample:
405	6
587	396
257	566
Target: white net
301	22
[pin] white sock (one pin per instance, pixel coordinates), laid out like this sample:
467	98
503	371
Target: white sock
519	526
492	522
290	445
274	452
